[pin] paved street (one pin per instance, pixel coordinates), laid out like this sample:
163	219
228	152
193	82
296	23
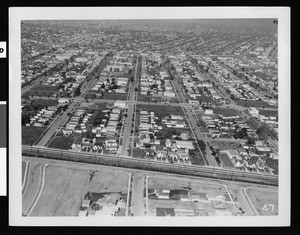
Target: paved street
137	198
55	126
129	120
197	130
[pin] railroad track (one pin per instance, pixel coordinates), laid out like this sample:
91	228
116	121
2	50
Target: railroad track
205	171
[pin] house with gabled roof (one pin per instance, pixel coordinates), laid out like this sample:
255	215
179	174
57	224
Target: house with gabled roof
161	154
215	196
250	163
238	164
173	155
218	204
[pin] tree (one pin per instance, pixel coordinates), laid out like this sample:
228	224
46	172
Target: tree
202	145
232	97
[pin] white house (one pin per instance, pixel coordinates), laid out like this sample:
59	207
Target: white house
63	100
184	144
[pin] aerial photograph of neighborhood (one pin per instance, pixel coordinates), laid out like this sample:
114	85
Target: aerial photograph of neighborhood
149	117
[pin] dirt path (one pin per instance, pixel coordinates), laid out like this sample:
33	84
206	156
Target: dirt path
39	190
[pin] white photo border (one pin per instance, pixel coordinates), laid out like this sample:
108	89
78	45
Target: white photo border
17	14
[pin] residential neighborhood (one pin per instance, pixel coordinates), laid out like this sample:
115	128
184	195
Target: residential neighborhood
172	109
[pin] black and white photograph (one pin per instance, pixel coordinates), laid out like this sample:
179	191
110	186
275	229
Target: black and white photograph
152	115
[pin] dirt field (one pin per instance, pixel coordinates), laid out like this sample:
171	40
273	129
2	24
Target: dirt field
33	183
225	112
23	169
263	201
64	188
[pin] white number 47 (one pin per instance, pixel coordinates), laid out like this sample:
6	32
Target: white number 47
268	207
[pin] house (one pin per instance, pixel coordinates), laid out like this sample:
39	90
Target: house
253	112
120	103
160	194
195	197
184	212
161	154
184	197
233	154
215	196
218	204
250	164
184	136
193	101
262	149
238	164
184	144
63	100
173	155
82	213
86	203
144	138
274	156
77	143
209	112
169	94
168	143
176	117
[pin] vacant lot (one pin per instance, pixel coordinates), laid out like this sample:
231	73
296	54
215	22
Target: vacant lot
254	104
62	142
225	112
65	186
272	163
90	96
43	93
225	159
45	88
226	145
269	113
114	96
62	192
205	99
33	183
264	201
161	110
30	134
44	103
23	169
